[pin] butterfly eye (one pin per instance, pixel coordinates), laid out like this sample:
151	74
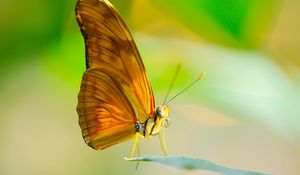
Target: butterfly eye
160	112
166	123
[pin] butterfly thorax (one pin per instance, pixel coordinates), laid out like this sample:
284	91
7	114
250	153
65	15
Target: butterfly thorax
153	124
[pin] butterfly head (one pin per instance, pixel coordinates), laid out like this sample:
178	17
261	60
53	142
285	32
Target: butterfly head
162	114
161	119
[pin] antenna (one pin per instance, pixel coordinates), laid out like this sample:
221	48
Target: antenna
201	76
172	83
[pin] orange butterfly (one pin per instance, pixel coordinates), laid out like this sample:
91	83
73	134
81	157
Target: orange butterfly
115	102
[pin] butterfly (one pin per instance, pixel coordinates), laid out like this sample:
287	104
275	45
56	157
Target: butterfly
116	101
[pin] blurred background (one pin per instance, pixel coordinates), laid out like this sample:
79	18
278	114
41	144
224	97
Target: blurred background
244	114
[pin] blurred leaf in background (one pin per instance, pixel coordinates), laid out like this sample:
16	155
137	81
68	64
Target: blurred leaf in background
241	24
27	29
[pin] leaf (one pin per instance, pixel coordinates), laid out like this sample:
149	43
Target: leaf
192	164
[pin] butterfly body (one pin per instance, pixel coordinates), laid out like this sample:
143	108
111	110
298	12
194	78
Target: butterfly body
153	125
115	102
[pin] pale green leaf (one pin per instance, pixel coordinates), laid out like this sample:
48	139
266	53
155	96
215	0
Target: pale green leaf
193	164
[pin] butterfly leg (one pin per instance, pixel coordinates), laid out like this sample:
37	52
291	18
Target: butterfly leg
136	140
138	162
163	143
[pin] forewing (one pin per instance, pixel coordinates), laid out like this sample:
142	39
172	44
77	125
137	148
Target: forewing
110	46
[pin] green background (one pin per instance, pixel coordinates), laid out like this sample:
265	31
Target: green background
244	113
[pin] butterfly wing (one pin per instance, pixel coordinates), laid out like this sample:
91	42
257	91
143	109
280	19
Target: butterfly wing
115	90
106	116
